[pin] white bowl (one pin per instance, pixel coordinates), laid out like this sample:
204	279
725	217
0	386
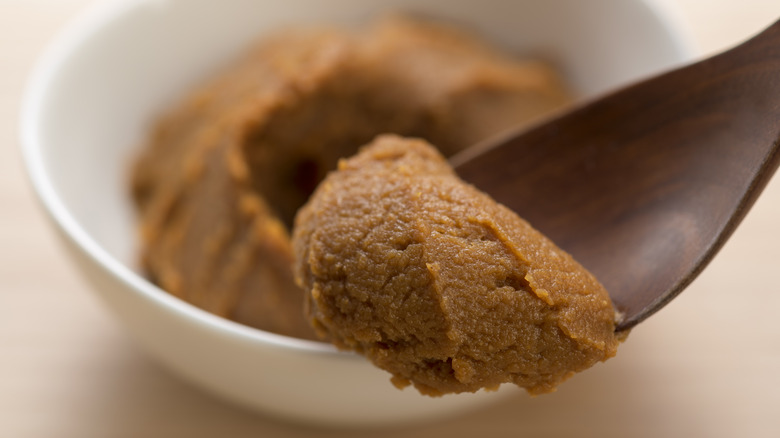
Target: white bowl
100	85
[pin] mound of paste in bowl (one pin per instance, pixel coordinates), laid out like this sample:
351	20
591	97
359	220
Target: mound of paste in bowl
438	284
218	183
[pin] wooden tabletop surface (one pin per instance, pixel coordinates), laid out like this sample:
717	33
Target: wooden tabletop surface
708	365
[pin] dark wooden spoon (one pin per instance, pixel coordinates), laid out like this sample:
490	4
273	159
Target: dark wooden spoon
645	185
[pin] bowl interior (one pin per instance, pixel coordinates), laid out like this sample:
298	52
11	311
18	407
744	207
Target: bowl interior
99	88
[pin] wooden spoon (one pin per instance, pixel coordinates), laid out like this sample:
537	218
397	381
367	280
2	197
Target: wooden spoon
645	185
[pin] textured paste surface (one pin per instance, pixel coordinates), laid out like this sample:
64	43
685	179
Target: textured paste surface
219	182
440	285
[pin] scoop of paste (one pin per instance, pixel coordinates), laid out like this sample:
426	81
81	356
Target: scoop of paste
435	282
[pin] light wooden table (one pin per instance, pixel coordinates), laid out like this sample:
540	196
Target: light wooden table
706	366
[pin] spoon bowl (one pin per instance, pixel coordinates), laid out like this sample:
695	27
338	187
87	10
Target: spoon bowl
645	185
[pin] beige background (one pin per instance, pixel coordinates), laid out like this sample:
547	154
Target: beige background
706	366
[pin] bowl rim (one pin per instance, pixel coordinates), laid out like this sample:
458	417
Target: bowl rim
90	21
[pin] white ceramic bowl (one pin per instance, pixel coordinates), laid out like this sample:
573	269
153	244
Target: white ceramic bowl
102	82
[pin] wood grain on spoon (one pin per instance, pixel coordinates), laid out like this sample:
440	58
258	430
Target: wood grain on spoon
645	185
